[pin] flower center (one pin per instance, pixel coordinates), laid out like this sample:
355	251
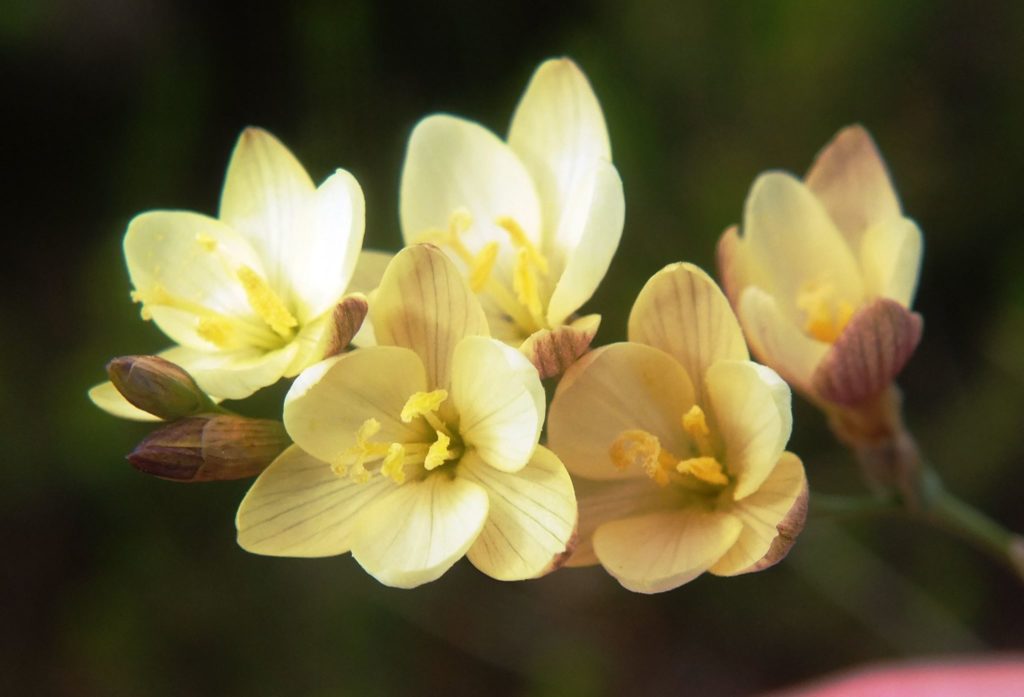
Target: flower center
395	457
521	297
638	448
826	315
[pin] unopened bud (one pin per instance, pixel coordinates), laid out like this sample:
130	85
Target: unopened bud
210	448
158	386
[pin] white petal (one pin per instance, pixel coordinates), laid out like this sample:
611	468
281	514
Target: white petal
661	551
752	409
891	258
682	312
613	389
233	374
531	518
500	401
267	193
298	507
107	398
329	401
588	235
419	530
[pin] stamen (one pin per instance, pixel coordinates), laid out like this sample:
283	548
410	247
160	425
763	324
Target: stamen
353	460
394	463
706	469
521	241
695	423
422	403
266	303
524	283
482	265
438	452
216	330
826	317
636	448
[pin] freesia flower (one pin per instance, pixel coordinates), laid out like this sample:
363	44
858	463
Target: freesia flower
824	273
247	296
419	450
533	222
677	443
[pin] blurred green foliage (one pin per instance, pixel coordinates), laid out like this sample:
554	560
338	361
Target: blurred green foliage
118	584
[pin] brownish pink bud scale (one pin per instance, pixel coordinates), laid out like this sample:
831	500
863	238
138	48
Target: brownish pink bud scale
552	351
157	386
210	448
347	318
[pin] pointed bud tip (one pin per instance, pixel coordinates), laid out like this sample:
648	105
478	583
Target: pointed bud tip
157	386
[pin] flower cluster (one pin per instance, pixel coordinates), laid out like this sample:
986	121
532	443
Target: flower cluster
411	435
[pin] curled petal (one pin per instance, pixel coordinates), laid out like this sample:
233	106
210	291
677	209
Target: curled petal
891	258
552	351
345	323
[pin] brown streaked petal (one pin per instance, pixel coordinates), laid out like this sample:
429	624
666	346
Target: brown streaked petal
790	527
870	352
347	318
552	351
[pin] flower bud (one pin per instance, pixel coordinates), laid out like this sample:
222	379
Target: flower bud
210	448
158	386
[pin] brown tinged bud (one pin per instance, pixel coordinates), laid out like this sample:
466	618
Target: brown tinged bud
210	448
158	386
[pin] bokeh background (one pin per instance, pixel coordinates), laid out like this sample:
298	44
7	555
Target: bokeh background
114	583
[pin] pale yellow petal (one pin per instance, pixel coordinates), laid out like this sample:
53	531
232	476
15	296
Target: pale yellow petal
500	401
682	312
298	507
310	344
107	398
752	408
890	255
734	267
790	237
661	551
531	518
456	165
233	374
369	270
777	342
419	530
613	389
424	304
588	234
851	180
761	514
266	196
330	401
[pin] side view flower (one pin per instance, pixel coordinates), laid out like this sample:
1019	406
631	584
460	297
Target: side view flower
247	297
533	222
677	444
824	273
419	450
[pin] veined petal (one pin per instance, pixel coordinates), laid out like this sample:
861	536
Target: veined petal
424	304
850	178
614	389
589	231
661	551
559	133
890	255
789	235
765	515
531	518
453	164
324	248
298	507
233	374
266	195
776	341
329	401
500	401
107	398
419	530
754	417
682	312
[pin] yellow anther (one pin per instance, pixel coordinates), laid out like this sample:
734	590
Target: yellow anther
695	423
458	222
266	303
423	403
394	462
706	469
216	330
367	430
482	265
524	283
636	448
206	242
522	242
353	460
826	316
438	452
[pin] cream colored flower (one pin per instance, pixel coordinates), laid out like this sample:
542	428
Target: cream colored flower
417	451
246	296
677	442
824	274
533	222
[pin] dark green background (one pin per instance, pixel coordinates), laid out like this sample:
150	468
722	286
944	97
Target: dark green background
119	584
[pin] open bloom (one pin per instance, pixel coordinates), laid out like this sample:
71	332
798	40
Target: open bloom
677	444
419	450
533	222
246	296
824	273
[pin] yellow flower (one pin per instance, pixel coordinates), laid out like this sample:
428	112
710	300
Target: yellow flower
824	274
533	222
417	451
247	296
677	444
